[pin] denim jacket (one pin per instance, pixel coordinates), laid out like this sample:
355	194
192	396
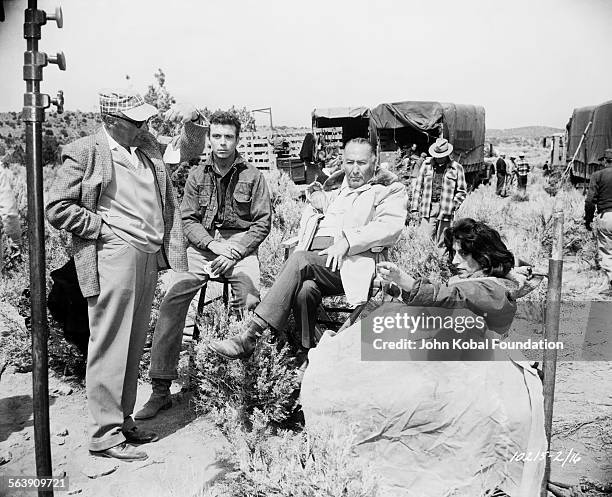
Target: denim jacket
248	208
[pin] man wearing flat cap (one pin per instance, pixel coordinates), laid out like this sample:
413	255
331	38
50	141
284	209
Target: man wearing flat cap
439	190
114	195
599	199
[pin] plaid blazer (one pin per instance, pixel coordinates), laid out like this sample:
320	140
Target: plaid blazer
454	190
86	172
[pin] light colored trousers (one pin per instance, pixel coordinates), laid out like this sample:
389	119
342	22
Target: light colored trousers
118	323
168	336
604	241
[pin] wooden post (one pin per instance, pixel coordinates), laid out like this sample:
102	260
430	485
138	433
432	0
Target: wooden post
551	334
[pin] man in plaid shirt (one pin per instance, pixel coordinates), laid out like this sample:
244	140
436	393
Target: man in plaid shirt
522	172
439	190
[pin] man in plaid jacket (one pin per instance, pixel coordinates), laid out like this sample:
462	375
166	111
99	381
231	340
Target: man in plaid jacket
439	190
522	172
114	195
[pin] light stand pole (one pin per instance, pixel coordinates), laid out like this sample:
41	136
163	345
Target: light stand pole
34	105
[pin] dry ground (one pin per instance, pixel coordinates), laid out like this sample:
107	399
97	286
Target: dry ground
185	458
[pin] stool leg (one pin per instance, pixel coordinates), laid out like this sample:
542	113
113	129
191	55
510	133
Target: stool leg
226	293
201	300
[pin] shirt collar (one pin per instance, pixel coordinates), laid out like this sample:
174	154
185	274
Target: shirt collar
112	143
345	189
451	164
238	161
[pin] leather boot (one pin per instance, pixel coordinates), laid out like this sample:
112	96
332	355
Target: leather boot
238	347
160	399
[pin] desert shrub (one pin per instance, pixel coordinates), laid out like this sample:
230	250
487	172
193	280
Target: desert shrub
15	340
179	177
145	361
317	462
64	358
280	185
287	210
261	387
577	240
271	256
417	254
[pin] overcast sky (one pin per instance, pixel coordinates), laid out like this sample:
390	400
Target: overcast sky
528	62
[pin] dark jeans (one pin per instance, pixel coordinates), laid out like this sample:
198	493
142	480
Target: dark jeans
299	287
501	180
522	182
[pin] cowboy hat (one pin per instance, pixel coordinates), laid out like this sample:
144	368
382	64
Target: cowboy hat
442	148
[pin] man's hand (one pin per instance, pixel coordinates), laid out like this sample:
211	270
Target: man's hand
335	254
391	273
222	265
181	113
319	201
221	248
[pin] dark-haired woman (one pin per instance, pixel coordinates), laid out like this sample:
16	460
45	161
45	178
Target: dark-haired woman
440	427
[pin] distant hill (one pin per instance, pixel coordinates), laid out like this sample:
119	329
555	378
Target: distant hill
524	132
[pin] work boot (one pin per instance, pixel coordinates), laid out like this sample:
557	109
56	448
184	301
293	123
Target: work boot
160	399
238	347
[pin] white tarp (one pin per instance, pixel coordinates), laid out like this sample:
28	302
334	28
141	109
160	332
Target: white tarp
431	429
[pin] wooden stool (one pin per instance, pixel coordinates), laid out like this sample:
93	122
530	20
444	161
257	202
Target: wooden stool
202	302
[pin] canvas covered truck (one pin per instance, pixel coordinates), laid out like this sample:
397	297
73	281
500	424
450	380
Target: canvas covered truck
334	126
588	148
392	127
556	144
402	124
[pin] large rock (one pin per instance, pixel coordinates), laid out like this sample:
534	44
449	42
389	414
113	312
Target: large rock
430	428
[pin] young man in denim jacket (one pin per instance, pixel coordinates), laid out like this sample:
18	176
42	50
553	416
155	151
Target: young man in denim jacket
226	213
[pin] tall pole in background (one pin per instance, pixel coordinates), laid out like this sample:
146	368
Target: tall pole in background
34	105
266	110
551	333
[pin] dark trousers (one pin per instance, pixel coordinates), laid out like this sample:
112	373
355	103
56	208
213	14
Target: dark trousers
299	287
501	181
522	182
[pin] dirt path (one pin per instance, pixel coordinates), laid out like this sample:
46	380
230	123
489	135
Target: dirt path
582	416
179	464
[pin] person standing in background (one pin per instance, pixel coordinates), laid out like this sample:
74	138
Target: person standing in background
599	199
522	171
